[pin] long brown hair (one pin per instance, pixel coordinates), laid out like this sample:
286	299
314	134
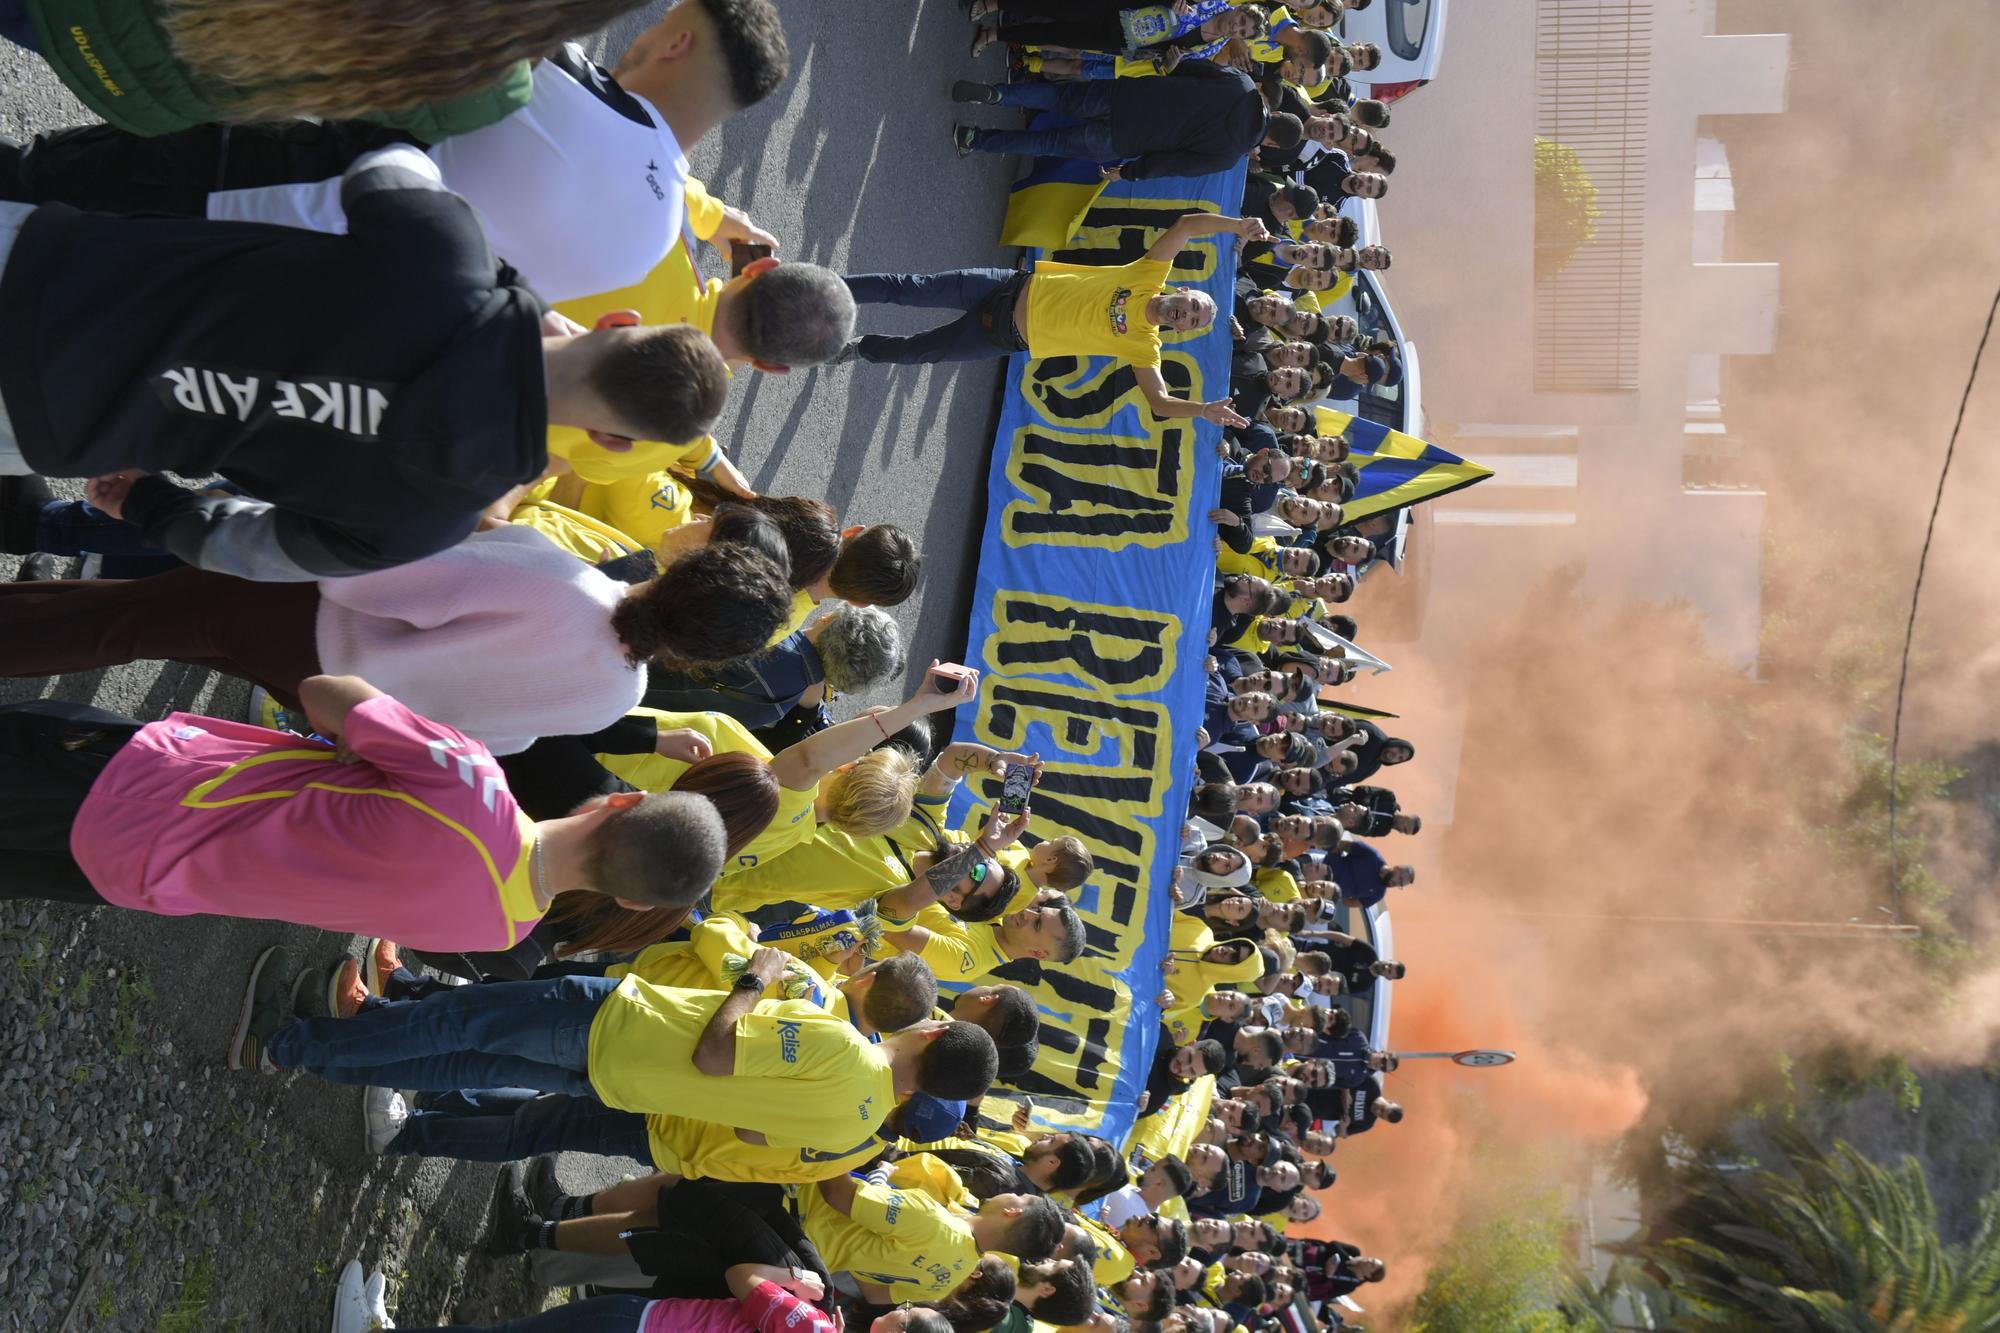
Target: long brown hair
745	793
273	59
811	528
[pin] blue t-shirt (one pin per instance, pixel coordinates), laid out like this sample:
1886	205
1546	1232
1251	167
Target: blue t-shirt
1359	874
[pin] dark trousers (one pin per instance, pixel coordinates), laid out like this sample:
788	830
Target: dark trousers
599	1314
1088	102
1089	25
76	527
72	527
707	1226
50	754
513	1124
263	632
108	170
15	25
533	951
964	289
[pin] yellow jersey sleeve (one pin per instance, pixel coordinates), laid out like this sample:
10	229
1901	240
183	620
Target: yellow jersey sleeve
584	537
704	210
654	772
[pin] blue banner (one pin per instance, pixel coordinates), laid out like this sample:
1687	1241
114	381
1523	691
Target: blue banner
1090	619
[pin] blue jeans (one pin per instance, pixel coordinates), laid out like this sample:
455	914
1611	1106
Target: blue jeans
74	527
511	1124
963	339
1088	102
599	1314
510	1034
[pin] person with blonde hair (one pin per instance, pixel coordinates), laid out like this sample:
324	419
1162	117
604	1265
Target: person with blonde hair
837	777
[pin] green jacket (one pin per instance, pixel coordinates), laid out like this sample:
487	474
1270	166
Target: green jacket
115	56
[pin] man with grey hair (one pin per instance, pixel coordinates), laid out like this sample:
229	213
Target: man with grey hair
848	650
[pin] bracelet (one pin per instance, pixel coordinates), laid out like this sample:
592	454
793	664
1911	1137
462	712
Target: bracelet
876	718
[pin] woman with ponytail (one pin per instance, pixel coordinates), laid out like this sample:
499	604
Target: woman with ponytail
504	636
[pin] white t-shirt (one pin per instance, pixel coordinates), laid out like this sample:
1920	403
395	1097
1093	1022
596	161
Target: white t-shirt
582	190
1121	1206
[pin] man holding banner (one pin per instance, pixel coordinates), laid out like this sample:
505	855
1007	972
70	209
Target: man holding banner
1057	309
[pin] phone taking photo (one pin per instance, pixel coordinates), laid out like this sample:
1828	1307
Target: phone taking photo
1014	789
745	253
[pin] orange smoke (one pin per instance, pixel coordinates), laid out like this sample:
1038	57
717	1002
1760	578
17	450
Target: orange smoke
1400	1185
1612	774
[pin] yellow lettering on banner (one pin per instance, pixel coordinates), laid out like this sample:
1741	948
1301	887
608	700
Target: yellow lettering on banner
1120	231
1087	484
1105	804
1114	653
1067	678
1122	649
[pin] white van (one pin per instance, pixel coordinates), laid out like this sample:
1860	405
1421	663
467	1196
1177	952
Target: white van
1411	35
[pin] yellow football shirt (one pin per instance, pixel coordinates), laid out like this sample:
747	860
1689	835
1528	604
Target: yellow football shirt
1114	1262
695	963
837	870
1261	559
1278	886
959	950
1095	310
673	293
714	1152
794	823
588	539
1015	858
919	1247
802	1078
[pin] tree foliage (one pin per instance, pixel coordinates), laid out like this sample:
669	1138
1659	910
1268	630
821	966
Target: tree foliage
1841	1246
1502	1276
1566	210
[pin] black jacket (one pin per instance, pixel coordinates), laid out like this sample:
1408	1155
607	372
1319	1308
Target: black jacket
1203	117
1326	174
374	390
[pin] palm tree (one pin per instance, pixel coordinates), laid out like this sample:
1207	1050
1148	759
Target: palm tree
1841	1246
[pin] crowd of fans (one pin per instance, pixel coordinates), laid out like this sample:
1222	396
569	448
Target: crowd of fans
544	685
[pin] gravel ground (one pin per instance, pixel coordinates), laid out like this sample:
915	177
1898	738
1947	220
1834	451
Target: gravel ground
142	1185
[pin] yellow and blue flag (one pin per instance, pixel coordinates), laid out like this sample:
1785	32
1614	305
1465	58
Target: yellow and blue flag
1397	470
1047	205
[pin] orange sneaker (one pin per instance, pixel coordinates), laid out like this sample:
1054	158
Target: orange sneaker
345	992
383	963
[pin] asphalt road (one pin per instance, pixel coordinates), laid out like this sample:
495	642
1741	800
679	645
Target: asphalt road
850	164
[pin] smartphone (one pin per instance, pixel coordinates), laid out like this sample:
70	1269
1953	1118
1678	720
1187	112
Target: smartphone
1014	789
946	676
743	254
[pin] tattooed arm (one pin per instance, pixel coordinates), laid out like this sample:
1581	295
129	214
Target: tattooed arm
961	760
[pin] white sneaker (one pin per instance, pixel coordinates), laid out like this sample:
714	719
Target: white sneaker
373	1292
350	1301
383	1112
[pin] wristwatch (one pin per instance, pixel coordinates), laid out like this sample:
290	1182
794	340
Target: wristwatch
750	981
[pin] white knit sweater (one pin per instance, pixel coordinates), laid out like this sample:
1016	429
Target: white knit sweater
505	636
